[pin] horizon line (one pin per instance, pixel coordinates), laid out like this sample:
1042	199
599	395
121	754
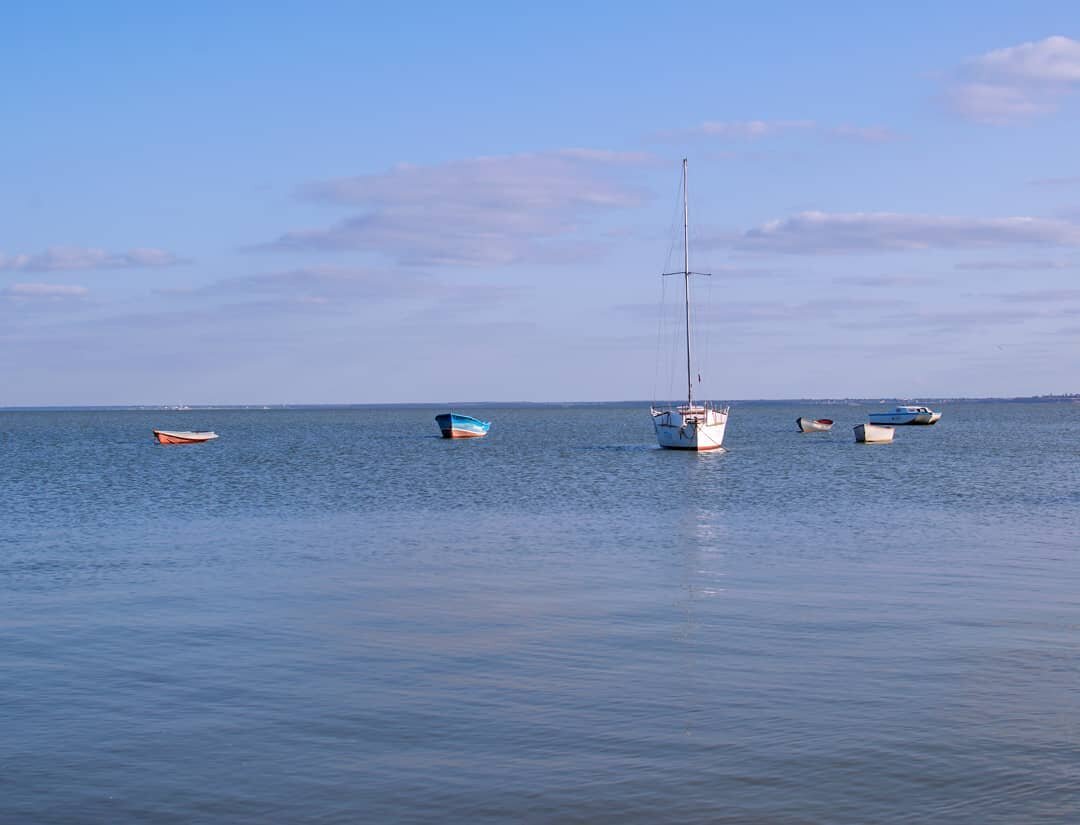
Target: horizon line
504	403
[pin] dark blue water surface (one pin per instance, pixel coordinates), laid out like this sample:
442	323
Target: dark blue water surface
334	616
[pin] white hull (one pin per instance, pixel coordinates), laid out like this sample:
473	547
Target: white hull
690	428
903	416
183	437
896	419
812	425
873	434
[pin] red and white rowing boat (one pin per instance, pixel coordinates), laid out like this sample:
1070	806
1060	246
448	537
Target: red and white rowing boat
814	425
182	437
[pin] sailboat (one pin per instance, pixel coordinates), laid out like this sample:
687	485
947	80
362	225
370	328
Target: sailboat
694	425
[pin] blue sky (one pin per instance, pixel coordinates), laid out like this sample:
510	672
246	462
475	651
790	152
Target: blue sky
323	203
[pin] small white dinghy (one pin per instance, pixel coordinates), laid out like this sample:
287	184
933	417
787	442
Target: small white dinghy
182	437
873	434
814	425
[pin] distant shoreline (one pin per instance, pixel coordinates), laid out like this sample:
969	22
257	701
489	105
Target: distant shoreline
1031	399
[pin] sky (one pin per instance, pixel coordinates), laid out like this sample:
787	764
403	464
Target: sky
324	203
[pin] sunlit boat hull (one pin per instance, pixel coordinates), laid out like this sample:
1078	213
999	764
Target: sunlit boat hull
700	429
905	416
896	419
873	434
452	425
176	437
814	425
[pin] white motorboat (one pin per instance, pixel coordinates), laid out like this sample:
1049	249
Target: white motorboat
814	425
695	425
873	434
906	414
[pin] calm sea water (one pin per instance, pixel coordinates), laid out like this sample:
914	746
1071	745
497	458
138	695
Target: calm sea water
334	616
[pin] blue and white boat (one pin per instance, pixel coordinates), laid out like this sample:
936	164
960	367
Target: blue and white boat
455	425
906	414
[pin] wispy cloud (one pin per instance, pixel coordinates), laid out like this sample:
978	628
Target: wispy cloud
44	291
884	281
605	156
1068	180
1008	266
862	134
749	130
1018	82
72	258
339	286
948	321
764	312
323	284
481	211
1041	296
740	129
824	233
877	313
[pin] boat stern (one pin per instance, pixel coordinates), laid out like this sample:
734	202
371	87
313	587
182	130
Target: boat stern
695	429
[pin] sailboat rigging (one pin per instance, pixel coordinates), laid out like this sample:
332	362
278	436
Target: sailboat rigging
700	426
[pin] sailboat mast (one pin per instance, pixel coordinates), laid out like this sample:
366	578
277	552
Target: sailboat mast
686	283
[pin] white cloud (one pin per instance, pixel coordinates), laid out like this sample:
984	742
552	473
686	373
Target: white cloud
606	156
60	258
745	129
750	130
321	284
999	103
1055	60
1018	82
1050	296
45	291
1020	266
148	256
883	281
487	210
823	232
862	134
